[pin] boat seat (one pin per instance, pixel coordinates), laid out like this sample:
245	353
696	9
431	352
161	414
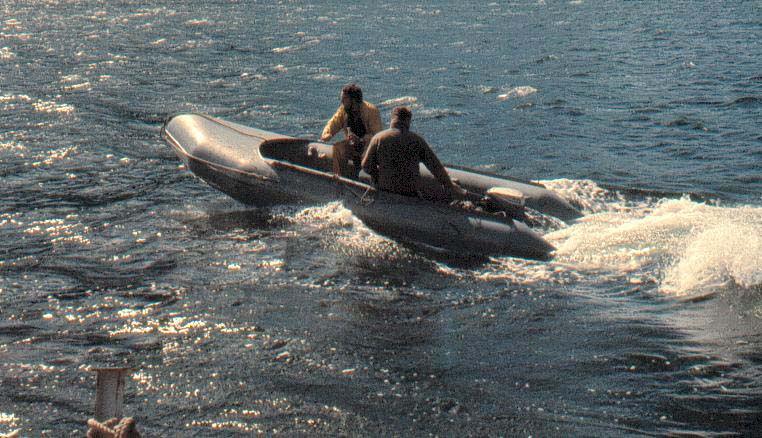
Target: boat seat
297	151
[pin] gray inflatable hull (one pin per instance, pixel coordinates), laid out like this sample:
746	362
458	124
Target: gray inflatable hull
258	167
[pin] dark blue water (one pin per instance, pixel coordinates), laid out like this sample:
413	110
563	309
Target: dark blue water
298	320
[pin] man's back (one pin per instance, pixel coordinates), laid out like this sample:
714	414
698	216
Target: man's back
393	157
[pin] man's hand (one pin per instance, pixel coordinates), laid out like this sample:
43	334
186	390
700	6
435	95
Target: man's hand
353	138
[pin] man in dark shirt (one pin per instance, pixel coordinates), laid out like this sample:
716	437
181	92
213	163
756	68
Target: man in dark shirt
393	156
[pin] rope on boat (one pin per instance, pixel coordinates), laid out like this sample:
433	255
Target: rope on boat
113	428
365	199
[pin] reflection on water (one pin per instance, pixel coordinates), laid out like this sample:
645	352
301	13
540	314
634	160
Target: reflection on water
299	320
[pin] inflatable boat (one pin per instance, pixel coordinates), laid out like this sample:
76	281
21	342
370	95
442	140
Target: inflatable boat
258	167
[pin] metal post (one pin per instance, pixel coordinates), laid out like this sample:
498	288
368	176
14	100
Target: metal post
109	393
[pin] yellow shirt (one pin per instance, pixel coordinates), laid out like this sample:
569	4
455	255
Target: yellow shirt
370	115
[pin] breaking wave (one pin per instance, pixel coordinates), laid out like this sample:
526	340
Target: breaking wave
404	100
517	92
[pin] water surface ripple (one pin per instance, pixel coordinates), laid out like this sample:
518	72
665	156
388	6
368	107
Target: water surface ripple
298	320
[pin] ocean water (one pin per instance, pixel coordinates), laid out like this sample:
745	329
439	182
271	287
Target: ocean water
298	320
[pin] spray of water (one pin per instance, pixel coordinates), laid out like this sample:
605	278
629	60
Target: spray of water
683	245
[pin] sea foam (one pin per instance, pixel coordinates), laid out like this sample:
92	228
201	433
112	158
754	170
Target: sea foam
676	247
6	54
522	91
726	252
404	100
682	245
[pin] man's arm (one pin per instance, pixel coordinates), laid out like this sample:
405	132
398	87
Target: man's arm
430	160
370	159
334	125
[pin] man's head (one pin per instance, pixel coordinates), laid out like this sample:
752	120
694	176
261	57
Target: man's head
351	97
401	117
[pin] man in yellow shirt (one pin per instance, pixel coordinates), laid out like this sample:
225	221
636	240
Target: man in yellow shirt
360	121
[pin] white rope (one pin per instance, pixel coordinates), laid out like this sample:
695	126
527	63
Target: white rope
113	428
